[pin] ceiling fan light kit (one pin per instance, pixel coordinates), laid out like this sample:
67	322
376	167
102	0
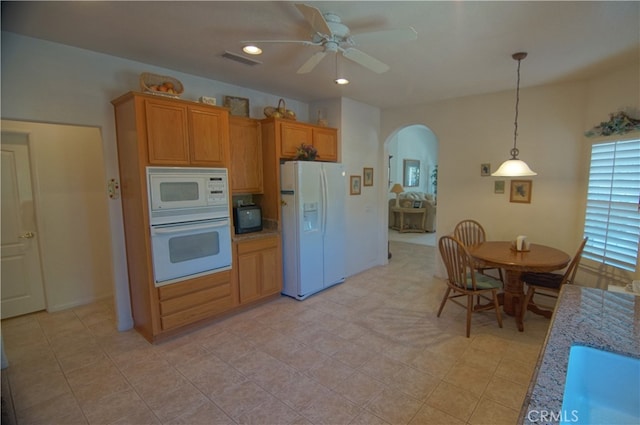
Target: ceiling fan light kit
333	36
252	49
515	167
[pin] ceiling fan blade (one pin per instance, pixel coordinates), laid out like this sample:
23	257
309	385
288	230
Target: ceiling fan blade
303	42
365	60
315	19
388	36
311	62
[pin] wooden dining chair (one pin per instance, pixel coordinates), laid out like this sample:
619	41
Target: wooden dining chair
470	233
549	284
464	281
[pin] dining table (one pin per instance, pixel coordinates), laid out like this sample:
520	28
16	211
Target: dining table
537	258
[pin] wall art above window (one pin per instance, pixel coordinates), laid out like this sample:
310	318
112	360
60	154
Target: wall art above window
619	123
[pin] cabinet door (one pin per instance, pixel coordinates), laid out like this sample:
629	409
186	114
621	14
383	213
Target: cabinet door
249	276
293	135
259	268
246	155
167	133
325	141
209	136
271	271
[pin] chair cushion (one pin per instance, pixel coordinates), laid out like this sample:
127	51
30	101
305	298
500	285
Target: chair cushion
483	282
546	280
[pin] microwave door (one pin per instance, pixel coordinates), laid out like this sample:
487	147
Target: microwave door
171	192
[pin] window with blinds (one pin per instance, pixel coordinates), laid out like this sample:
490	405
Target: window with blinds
612	220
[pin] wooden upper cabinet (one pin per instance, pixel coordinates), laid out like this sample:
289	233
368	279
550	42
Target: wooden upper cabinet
325	141
246	155
293	135
209	134
180	134
167	133
280	138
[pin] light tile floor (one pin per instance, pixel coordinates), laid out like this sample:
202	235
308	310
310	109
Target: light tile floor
368	351
413	238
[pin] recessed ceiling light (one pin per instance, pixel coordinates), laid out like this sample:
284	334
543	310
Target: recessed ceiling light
341	81
252	50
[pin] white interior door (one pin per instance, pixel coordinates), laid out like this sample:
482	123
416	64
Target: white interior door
21	284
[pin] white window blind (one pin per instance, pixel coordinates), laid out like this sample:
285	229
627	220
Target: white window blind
612	220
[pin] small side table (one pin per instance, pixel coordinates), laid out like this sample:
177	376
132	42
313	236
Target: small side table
621	289
399	225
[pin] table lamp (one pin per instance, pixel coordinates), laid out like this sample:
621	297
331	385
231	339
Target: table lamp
397	189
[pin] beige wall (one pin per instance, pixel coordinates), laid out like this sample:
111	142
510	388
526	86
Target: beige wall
552	121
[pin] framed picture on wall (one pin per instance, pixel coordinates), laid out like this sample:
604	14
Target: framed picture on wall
238	106
485	169
521	191
354	187
367	177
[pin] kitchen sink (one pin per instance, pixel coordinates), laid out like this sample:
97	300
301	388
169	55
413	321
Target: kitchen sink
601	388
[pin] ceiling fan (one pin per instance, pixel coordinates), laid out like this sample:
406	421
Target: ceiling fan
335	37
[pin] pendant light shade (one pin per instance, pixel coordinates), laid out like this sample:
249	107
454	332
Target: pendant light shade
515	167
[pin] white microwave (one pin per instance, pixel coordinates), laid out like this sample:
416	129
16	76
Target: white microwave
178	194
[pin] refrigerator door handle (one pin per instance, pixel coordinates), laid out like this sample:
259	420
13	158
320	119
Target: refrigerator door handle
325	198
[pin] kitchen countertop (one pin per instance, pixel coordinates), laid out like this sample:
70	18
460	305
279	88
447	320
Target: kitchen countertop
254	235
584	316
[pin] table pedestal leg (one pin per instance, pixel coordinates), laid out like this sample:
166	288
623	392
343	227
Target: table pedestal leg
513	296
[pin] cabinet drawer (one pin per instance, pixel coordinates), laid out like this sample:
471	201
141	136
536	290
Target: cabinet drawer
184	302
246	247
196	313
187	302
193	285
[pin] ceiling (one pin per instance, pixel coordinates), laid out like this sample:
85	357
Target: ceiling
463	48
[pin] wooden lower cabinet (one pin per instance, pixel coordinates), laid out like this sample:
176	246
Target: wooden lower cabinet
259	268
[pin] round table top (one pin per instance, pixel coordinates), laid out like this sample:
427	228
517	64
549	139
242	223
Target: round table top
539	258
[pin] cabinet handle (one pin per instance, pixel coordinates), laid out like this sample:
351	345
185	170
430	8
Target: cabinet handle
27	235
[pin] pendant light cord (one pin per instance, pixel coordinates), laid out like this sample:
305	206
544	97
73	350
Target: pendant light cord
515	151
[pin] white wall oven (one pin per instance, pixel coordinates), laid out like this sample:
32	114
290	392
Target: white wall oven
189	219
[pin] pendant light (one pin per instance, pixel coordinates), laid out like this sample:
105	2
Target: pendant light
515	167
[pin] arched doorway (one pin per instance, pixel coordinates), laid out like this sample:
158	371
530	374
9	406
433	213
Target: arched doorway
412	155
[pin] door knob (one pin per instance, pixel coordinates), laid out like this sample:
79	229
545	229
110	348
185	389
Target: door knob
27	235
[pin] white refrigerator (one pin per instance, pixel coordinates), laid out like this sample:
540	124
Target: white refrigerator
313	226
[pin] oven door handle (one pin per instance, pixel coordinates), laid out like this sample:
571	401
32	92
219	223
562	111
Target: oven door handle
173	228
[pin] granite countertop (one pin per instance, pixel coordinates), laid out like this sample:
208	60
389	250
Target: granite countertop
255	235
584	316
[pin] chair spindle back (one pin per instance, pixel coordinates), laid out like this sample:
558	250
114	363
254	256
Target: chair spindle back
459	264
470	232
